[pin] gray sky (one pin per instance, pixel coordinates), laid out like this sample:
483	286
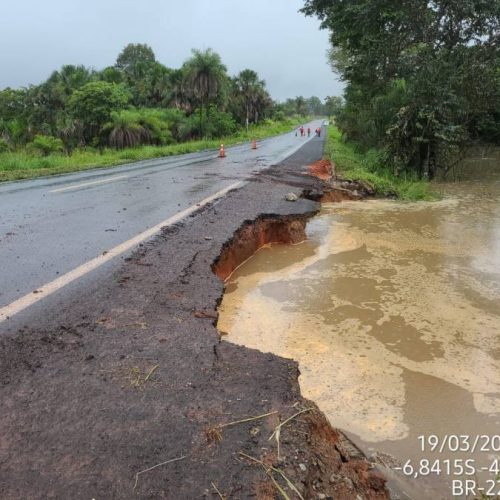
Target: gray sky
287	49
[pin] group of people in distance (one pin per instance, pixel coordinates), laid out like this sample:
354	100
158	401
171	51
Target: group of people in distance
302	131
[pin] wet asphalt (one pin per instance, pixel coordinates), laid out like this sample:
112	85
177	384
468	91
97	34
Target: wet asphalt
74	425
124	371
50	226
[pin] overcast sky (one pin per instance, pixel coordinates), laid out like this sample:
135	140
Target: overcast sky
270	36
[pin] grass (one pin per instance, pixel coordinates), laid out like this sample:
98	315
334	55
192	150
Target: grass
369	167
138	377
23	165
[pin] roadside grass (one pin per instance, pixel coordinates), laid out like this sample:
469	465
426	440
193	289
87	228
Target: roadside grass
369	167
23	165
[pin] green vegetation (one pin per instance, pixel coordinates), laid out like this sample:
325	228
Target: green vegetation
422	78
25	164
134	110
371	166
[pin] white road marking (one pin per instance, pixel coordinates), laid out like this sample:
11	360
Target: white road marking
22	303
91	183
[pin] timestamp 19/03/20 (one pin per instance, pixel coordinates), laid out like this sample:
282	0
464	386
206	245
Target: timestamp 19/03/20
481	443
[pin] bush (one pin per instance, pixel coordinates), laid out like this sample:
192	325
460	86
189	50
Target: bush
94	103
279	116
351	163
220	123
46	145
189	128
208	125
4	146
157	122
177	120
135	127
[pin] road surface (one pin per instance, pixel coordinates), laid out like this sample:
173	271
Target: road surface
111	388
73	223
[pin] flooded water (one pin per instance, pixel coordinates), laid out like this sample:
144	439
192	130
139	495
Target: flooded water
393	312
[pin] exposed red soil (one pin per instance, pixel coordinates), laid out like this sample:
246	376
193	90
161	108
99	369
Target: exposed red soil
322	169
335	191
253	235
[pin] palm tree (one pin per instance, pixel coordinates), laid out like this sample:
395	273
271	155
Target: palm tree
205	76
159	83
177	96
61	84
71	78
4	130
49	100
261	102
125	130
249	86
255	97
301	106
70	131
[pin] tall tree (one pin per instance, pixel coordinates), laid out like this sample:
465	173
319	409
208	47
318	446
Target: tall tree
159	85
253	93
206	77
301	106
415	71
178	94
333	105
140	70
315	106
94	104
135	59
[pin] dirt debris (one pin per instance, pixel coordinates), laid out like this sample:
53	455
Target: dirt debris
322	169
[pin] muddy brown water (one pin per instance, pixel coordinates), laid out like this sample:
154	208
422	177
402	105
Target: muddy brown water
393	312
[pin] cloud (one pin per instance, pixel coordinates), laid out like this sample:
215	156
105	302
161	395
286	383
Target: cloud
287	49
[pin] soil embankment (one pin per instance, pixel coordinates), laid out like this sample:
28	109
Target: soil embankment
255	234
102	394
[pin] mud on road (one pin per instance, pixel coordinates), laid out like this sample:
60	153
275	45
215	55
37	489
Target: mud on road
101	395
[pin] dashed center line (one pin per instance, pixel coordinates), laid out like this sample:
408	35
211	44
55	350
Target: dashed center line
22	303
91	183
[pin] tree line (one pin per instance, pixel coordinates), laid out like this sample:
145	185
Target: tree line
140	101
422	77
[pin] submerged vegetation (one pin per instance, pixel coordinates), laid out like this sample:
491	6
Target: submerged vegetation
134	110
371	166
422	78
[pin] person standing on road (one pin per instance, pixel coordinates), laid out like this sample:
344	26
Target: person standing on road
301	131
318	131
308	131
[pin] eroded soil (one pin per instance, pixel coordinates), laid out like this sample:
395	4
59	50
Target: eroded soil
98	394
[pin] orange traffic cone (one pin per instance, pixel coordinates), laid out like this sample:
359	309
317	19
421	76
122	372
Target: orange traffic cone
222	153
254	144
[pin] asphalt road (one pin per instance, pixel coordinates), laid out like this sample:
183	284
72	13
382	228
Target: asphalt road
124	370
50	226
